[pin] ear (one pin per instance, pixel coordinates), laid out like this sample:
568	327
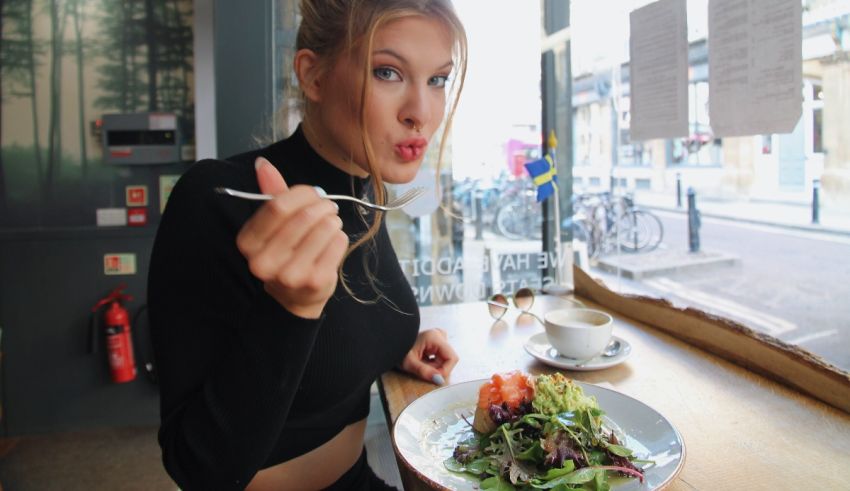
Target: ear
308	71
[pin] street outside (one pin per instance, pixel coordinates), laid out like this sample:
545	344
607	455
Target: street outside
788	283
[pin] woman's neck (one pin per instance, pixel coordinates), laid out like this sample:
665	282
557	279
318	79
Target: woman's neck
314	139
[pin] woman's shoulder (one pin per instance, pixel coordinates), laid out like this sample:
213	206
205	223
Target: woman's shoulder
236	171
194	197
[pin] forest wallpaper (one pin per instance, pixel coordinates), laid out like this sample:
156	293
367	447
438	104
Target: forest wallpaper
64	64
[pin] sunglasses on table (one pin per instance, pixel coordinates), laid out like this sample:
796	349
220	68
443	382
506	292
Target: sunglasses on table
522	299
498	304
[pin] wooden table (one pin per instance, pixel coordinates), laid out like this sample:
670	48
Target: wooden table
741	430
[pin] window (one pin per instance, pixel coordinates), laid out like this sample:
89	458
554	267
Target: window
757	258
486	237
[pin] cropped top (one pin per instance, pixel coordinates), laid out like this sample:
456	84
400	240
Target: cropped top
245	384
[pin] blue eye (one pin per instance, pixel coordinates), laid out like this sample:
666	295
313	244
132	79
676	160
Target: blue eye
386	73
438	81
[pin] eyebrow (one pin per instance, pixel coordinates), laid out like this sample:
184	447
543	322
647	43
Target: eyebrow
390	52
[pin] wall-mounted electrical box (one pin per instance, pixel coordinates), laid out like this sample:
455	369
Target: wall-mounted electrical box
141	138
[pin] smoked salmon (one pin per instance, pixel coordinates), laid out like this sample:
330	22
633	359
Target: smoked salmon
508	391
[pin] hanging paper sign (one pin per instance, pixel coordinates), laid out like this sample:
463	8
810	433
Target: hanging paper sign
755	67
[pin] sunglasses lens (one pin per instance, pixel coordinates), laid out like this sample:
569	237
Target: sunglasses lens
497	311
524	298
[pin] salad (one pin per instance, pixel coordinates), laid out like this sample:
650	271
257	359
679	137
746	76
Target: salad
541	432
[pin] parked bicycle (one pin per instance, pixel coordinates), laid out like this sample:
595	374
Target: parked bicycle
507	205
604	222
519	215
608	224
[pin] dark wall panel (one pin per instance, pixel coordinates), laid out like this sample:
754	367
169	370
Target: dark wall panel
48	283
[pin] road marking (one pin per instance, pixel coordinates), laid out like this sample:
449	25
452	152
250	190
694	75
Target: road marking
813	336
753	318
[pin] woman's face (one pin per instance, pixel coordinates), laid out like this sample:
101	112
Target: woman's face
411	59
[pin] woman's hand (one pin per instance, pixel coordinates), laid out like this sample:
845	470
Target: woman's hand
294	244
431	358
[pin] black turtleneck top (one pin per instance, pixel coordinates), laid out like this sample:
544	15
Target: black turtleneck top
245	384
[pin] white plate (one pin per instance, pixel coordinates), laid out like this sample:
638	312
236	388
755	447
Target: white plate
538	346
427	431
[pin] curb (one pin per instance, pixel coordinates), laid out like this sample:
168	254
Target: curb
682	266
791	226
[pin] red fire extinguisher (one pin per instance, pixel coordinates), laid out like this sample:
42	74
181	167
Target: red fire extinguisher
119	342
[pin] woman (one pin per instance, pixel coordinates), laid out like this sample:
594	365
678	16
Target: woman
270	322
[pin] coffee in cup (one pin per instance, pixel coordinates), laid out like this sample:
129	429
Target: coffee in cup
578	333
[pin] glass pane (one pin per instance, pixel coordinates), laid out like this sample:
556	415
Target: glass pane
485	237
483	234
286	95
770	246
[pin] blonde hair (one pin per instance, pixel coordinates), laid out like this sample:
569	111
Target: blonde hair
335	28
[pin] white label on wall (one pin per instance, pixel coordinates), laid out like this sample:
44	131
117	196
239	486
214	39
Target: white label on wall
111	217
163	122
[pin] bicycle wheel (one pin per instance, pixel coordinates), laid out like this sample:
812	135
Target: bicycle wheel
639	230
583	233
519	221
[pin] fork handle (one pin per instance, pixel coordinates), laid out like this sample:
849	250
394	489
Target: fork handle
266	197
243	194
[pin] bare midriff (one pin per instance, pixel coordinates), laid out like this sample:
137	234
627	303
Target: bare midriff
316	469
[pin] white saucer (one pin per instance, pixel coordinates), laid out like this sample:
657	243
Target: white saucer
538	346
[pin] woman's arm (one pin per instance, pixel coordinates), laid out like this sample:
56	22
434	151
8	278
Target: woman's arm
230	358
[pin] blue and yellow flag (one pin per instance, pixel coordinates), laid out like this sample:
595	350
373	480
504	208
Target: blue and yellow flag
545	176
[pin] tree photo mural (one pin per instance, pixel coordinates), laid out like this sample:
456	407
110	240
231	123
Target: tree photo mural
64	64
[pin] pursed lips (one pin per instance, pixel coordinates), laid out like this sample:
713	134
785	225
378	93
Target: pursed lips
411	149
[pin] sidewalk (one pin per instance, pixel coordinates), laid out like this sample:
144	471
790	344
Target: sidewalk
779	214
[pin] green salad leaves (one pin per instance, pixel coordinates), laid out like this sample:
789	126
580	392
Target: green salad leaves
560	444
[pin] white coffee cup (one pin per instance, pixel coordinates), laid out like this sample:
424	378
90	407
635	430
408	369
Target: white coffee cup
578	333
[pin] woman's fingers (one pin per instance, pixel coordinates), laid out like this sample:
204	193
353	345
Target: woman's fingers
289	243
302	268
432	358
449	357
442	356
273	215
293	243
333	254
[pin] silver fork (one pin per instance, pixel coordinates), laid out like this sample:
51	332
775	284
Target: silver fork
394	204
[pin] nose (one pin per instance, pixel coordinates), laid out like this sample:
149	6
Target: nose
412	124
415	111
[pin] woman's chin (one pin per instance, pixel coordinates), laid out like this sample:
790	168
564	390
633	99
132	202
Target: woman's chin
398	181
401	176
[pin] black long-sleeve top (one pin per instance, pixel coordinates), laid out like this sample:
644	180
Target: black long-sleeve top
245	384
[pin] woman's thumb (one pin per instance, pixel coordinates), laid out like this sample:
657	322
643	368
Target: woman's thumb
268	177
